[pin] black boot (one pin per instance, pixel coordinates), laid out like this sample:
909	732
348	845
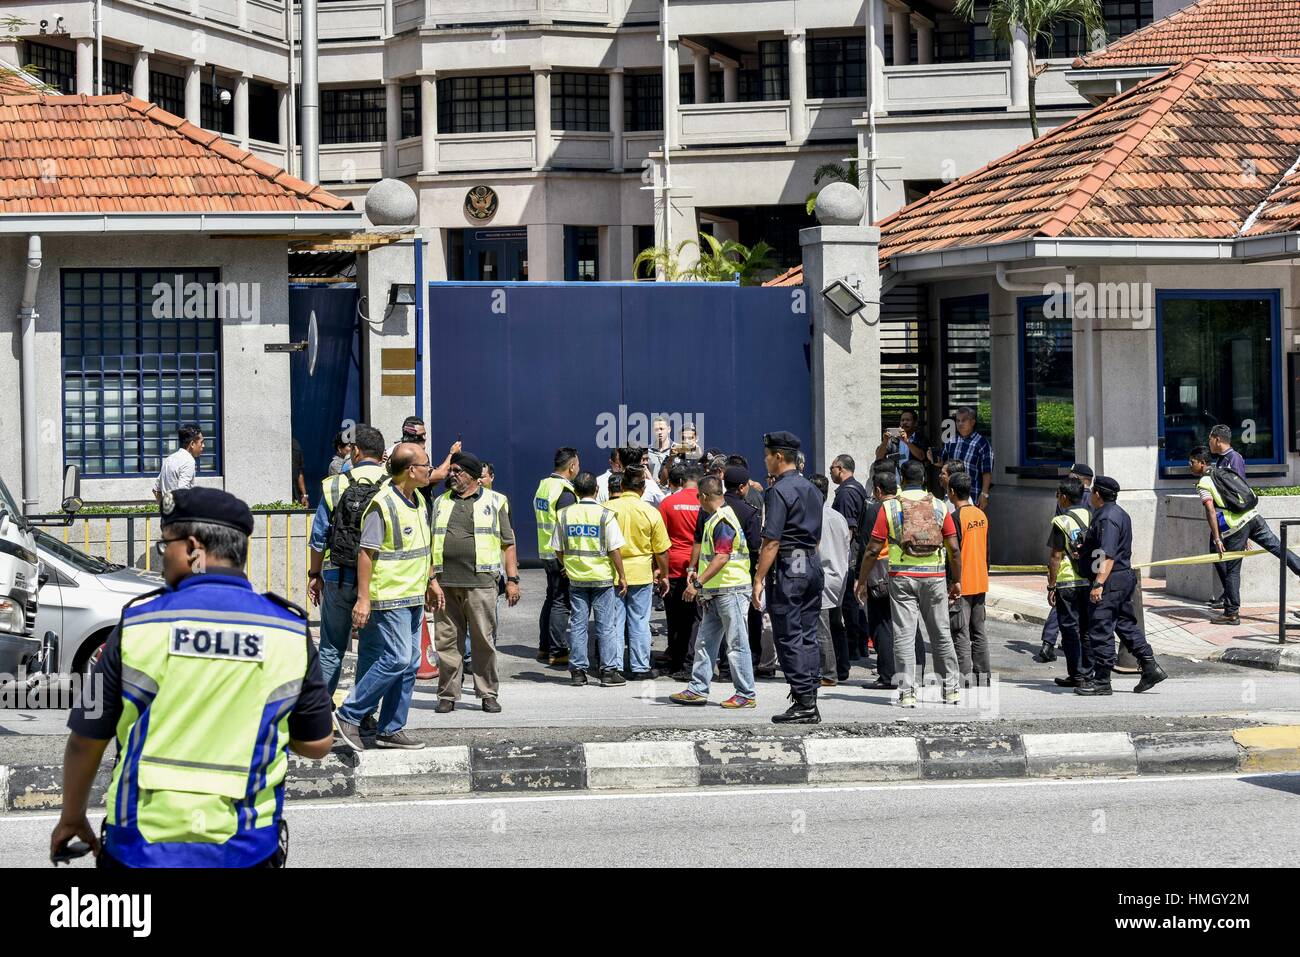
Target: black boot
1098	684
1152	673
1072	681
1046	653
803	710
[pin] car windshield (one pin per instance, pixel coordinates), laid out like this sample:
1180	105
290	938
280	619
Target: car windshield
74	557
7	503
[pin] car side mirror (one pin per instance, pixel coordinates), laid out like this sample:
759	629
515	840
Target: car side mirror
72	490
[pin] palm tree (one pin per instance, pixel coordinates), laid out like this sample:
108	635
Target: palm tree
722	261
1036	18
836	173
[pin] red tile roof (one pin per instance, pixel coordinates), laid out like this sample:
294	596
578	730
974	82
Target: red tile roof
1215	27
116	154
1206	150
15	81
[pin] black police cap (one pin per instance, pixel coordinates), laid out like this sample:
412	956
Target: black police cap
1106	484
735	476
209	505
782	440
1078	468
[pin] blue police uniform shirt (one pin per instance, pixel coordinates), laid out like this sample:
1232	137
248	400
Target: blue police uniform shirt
793	509
1111	532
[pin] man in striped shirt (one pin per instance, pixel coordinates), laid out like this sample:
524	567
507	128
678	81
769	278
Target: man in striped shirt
973	449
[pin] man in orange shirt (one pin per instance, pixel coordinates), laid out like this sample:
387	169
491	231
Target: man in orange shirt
966	614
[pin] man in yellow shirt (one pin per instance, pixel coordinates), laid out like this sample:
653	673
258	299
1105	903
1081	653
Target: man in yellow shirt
645	560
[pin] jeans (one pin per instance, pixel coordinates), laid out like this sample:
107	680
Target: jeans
553	624
1257	531
391	679
609	636
725	616
915	601
335	630
634	622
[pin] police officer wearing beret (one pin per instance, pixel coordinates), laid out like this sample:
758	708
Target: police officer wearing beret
206	685
789	567
1108	547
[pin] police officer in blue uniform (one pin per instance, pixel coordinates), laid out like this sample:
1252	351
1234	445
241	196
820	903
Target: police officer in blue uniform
1108	548
205	684
790	570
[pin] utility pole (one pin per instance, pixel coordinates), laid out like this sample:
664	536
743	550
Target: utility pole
310	96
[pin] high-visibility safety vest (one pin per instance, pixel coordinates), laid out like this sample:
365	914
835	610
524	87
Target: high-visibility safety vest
585	529
488	506
400	573
548	493
210	672
1233	520
332	490
733	576
899	560
1075	518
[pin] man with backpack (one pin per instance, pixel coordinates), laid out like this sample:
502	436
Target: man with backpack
1230	510
335	536
918	530
1067	580
872	590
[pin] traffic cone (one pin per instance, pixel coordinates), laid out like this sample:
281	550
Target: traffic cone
428	657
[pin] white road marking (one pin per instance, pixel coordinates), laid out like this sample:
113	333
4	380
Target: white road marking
706	793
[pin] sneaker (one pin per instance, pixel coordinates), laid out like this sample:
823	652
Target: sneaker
1215	602
491	706
681	674
577	677
952	696
559	660
650	675
370	725
399	740
736	702
907	699
349	733
612	678
1227	618
688	697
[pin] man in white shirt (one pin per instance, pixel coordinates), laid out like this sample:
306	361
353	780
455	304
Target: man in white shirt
833	551
178	468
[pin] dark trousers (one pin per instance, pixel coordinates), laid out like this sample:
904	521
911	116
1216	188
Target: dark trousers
1051	628
854	617
680	615
880	623
1072	610
1115	615
553	624
1257	531
966	622
794	597
840	642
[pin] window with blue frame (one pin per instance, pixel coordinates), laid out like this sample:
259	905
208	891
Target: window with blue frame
967	357
581	253
1046	383
1220	364
133	373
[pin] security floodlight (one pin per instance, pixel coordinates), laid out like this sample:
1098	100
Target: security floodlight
401	294
844	298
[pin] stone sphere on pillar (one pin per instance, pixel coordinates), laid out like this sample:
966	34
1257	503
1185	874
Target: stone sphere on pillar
390	202
840	204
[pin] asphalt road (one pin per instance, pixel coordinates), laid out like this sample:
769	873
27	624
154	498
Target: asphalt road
536	697
1176	821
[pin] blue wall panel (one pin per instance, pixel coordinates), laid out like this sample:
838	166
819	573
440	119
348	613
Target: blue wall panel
520	369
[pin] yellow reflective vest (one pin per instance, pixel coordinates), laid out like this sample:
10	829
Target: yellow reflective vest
548	493
584	527
400	573
733	576
488	506
210	672
1074	519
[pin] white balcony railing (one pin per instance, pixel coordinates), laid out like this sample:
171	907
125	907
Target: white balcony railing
965	86
637	147
353	19
577	150
833	119
467	152
265	17
351	162
709	124
409	14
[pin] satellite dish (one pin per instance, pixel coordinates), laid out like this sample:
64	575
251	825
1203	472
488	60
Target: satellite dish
313	343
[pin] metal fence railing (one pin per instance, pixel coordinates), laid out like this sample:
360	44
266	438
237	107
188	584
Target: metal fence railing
279	554
1282	576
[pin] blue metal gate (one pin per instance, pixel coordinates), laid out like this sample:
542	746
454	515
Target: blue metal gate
520	369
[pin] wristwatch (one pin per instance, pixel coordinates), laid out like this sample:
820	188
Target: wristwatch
513	579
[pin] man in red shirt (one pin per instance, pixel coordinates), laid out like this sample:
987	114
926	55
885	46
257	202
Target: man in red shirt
681	513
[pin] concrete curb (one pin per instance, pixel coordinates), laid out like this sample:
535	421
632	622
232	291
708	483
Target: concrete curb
651	765
1269	659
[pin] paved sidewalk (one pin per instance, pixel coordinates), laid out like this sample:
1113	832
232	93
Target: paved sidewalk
1174	625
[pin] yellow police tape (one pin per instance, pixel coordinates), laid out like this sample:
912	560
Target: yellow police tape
1210	559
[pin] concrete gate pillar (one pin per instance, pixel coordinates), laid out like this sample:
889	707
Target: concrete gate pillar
845	348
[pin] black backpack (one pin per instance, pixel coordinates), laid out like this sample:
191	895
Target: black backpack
1074	546
1235	493
344	538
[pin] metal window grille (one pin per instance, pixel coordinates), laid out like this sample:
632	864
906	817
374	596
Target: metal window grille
55	67
485	104
774	69
580	101
904	352
167	91
353	115
837	67
643	102
132	378
411	120
967	358
118	78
